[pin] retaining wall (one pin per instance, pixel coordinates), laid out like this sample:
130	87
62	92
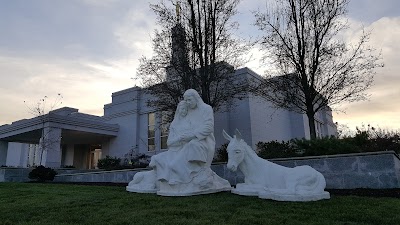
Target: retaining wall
378	170
15	174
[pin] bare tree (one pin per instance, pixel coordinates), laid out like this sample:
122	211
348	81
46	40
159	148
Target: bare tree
194	48
42	109
302	40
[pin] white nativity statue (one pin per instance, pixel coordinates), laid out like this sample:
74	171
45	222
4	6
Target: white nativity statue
268	180
184	169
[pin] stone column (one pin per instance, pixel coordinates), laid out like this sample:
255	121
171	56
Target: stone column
24	155
51	156
3	153
15	154
38	154
31	155
69	155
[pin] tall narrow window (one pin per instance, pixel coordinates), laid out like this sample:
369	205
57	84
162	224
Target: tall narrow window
318	129
151	134
164	129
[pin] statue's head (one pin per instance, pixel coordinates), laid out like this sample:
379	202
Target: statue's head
182	108
191	97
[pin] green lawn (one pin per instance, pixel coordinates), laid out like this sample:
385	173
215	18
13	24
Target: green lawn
32	203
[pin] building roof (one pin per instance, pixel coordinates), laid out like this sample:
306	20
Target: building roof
72	123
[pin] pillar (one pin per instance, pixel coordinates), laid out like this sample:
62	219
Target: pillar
31	155
16	154
69	155
38	154
51	145
24	155
3	153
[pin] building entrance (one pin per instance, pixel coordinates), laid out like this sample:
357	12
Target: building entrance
94	157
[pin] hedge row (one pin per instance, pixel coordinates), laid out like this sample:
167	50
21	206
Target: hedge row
363	141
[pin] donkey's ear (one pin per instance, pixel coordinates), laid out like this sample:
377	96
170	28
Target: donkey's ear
238	134
226	135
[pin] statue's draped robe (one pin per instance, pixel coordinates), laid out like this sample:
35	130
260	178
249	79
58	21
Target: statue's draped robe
184	160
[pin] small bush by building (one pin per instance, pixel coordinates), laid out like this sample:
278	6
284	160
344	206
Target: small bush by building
132	162
42	174
109	163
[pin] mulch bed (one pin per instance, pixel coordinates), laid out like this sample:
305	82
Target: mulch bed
392	193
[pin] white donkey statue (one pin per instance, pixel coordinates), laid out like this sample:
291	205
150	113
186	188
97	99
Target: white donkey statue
269	180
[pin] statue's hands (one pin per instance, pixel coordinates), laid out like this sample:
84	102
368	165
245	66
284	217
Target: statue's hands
188	137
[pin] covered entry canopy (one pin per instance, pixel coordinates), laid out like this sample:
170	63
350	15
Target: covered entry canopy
76	128
66	136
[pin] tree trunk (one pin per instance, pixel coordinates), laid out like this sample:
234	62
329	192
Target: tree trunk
311	125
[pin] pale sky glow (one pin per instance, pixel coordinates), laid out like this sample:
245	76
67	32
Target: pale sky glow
88	49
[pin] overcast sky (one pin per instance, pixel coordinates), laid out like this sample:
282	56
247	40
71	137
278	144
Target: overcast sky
88	49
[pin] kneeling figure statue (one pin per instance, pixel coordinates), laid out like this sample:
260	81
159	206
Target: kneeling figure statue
271	181
184	169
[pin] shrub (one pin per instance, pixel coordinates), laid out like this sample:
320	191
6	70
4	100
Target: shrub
132	161
275	149
68	166
109	163
42	174
386	143
382	140
326	146
370	140
221	154
303	147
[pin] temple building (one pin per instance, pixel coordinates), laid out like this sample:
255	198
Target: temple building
129	126
65	137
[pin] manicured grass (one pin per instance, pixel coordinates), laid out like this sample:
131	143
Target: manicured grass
32	203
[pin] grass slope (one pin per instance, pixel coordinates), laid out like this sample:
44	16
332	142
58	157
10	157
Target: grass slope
29	203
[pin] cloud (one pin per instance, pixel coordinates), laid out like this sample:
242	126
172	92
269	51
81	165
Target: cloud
134	31
85	50
369	11
69	28
84	84
382	108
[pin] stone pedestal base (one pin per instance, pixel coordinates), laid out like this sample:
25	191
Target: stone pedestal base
143	182
247	190
278	195
205	182
141	190
294	197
